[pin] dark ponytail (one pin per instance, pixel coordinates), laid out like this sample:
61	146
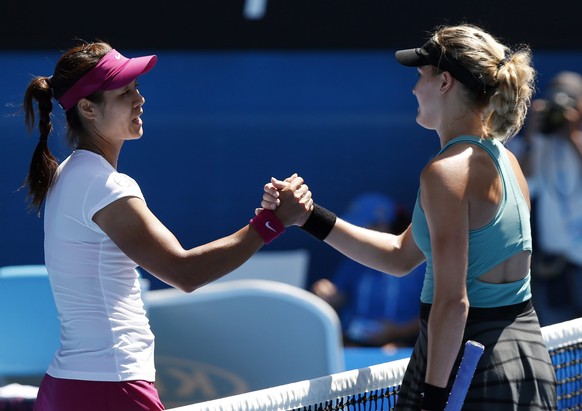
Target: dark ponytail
43	164
72	65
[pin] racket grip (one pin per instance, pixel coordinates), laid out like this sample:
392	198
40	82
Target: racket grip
471	355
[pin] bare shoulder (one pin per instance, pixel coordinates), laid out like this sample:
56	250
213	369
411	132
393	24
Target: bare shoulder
443	193
449	170
512	159
515	165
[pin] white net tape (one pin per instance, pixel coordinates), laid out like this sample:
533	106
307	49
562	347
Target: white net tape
319	390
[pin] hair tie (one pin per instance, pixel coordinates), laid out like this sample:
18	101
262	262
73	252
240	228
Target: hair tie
504	60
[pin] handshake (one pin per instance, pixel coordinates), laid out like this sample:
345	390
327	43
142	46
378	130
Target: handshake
290	200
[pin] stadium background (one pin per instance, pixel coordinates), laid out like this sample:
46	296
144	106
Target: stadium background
302	85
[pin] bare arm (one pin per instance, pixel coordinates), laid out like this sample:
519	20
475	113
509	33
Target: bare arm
385	252
144	239
443	197
389	253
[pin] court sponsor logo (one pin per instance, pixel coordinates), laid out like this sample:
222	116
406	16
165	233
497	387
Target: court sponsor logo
181	381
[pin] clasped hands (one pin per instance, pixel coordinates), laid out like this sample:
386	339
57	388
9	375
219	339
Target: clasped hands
289	199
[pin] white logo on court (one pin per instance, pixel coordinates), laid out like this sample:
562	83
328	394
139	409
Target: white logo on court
268	225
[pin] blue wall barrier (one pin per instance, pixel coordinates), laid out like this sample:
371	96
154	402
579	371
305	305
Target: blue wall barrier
218	125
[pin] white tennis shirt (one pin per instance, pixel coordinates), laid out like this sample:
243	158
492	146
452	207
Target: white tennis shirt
105	334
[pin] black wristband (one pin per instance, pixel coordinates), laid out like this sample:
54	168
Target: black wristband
320	222
433	398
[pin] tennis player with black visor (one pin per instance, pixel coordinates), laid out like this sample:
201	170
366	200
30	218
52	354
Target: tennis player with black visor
471	224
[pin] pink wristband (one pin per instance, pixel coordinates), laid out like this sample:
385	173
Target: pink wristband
267	225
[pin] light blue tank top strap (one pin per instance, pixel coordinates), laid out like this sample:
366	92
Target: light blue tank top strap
508	233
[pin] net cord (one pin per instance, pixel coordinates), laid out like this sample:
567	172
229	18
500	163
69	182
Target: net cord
353	382
562	334
309	392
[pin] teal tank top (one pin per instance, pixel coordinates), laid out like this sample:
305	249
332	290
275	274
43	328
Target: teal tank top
508	233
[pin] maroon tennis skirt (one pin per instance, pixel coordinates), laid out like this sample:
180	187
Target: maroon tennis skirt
58	394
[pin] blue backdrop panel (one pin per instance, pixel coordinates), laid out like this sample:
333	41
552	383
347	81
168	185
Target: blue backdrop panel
218	125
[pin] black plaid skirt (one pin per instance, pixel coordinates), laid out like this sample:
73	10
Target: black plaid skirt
514	373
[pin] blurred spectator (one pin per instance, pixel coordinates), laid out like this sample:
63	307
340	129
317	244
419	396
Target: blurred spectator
375	309
552	161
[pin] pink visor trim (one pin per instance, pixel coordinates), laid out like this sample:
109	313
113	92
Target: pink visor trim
113	71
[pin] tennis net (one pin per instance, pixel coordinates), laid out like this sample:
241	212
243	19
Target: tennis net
376	387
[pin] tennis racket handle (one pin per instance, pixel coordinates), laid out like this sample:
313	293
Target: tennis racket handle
471	355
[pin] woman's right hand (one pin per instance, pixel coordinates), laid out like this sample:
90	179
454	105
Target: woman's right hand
290	199
271	193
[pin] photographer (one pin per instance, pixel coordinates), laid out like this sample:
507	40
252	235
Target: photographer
553	162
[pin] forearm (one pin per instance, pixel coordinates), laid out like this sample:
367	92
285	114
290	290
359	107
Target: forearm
371	248
445	334
385	252
196	267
